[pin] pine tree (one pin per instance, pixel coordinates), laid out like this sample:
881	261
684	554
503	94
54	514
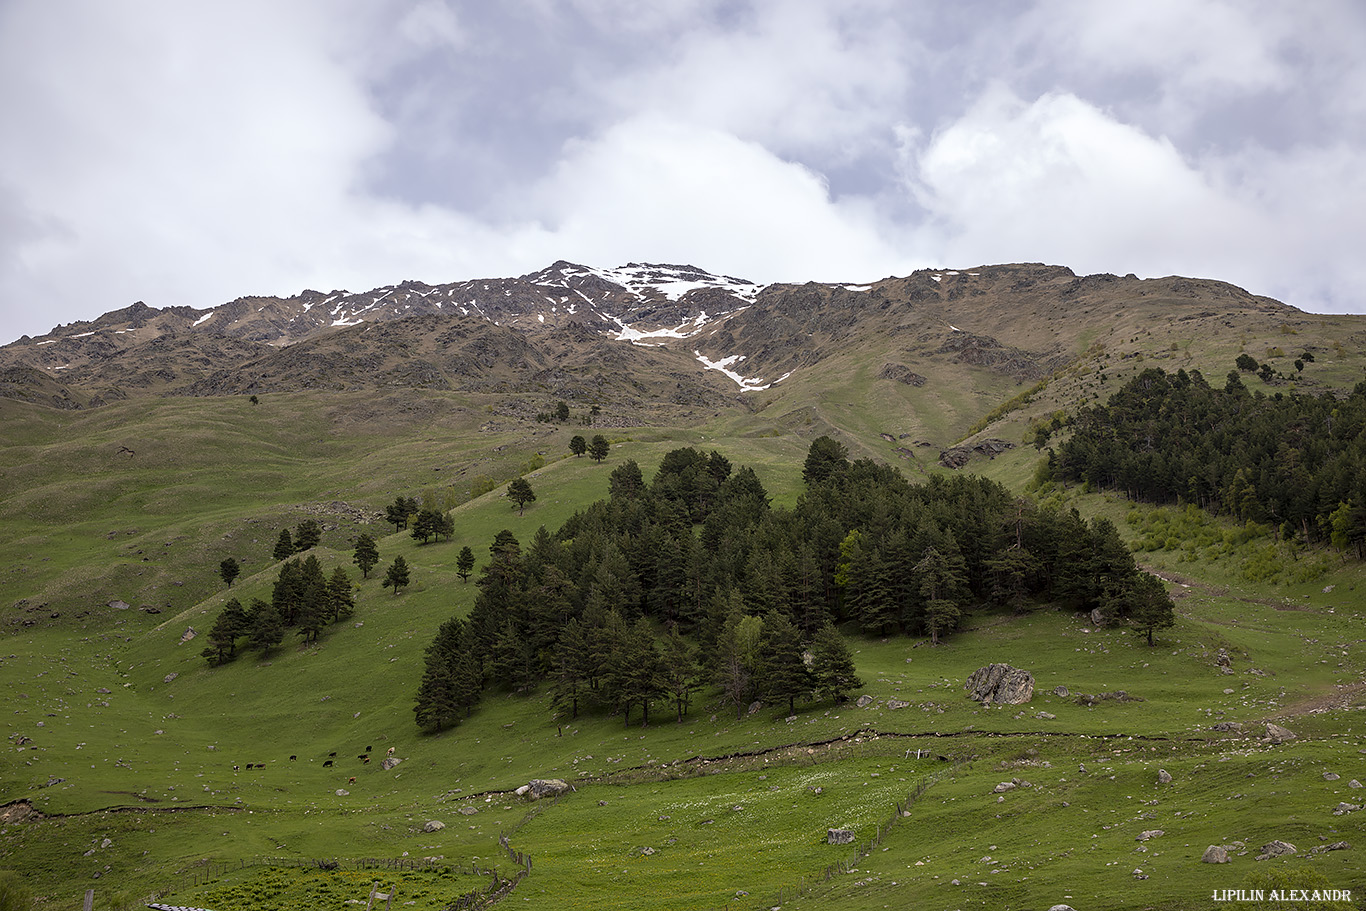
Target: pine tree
782	672
578	445
397	574
1146	604
284	546
267	630
229	570
341	600
366	555
464	563
598	448
228	627
570	671
307	535
832	665
520	493
681	672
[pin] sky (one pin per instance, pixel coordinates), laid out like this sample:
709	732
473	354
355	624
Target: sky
186	154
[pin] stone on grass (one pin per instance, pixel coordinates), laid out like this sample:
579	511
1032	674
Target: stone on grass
1000	684
1345	807
1164	777
468	811
864	701
839	837
1277	734
389	762
1005	786
433	825
1215	854
1353	783
546	787
1151	833
1331	776
1061	690
1276	848
1054	908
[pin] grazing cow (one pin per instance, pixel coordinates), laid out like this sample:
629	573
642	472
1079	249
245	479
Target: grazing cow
367	760
368	749
251	765
391	752
234	768
327	763
332	755
363	756
351	780
292	758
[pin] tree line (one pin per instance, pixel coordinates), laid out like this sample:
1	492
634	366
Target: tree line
1291	462
693	580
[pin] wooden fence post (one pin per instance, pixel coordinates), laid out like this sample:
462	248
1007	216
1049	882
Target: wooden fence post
89	899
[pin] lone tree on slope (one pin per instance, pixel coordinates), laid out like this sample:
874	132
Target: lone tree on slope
577	445
229	569
366	556
597	448
397	574
520	492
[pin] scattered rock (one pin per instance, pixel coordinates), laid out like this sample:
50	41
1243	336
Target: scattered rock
1151	833
468	811
169	677
1047	716
1061	690
1139	874
1335	846
839	837
1277	734
1054	908
897	704
119	605
1222	659
1097	617
1164	777
1000	684
433	825
1353	783
1215	854
1276	848
1331	776
342	792
188	634
1228	726
389	762
1003	787
864	701
1344	808
647	851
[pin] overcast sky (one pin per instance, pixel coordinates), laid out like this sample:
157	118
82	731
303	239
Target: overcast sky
187	153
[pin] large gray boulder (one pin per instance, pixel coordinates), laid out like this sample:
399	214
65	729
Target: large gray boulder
839	837
1000	684
1215	854
546	787
1276	849
1277	734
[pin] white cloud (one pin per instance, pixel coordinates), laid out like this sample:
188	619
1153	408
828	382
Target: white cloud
684	193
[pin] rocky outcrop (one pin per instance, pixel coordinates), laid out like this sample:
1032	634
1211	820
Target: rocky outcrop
839	837
1276	848
959	456
1277	734
1215	854
1000	684
538	788
900	373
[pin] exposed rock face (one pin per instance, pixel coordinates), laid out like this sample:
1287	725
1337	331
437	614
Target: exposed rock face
1215	854
1000	684
839	837
1228	727
958	456
900	373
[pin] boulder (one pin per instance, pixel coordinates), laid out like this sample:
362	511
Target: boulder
389	762
1344	808
1151	833
1055	907
1276	849
433	825
864	701
1228	727
1164	777
1003	787
1277	734
468	811
1000	684
1062	691
839	837
546	787
1331	776
1353	783
1215	854
897	704
1097	617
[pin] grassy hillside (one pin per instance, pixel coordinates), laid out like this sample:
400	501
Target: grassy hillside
135	749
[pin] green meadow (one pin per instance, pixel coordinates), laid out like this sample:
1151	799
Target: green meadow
134	749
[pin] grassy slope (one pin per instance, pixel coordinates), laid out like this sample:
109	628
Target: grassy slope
209	482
